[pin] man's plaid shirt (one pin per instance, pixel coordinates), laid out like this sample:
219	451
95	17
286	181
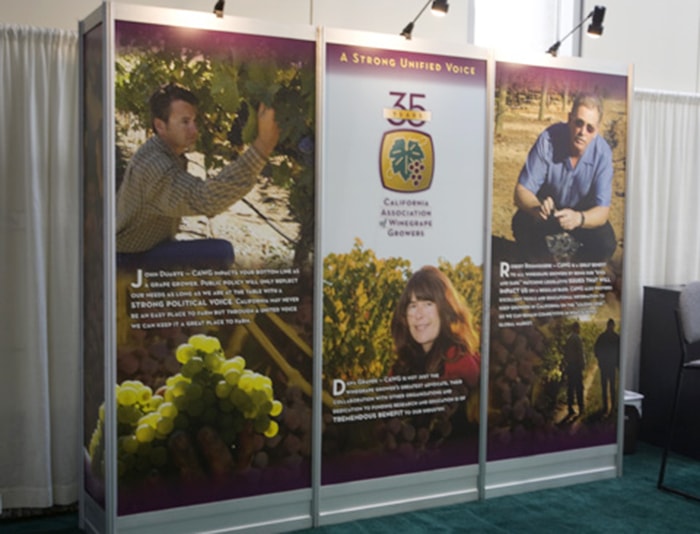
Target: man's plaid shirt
157	191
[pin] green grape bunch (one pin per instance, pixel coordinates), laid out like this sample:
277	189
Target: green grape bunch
211	394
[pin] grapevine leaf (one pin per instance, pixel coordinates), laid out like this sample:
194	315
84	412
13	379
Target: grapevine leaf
402	155
281	174
224	88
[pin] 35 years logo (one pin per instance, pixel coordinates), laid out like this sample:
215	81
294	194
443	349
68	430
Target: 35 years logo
407	158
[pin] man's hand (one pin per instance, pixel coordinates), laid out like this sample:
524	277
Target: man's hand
546	209
569	219
527	201
268	131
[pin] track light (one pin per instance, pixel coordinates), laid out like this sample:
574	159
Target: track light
408	30
595	29
219	8
439	8
554	49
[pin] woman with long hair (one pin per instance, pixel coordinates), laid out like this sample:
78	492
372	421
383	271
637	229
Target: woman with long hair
433	332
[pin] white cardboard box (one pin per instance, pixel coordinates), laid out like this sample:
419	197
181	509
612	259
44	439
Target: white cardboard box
634	399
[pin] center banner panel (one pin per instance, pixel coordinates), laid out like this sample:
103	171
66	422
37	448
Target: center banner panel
403	241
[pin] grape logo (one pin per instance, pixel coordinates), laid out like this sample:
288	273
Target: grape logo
406	161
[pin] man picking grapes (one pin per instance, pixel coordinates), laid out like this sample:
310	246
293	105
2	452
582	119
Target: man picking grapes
157	191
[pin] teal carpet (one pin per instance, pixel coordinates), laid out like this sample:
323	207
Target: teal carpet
630	504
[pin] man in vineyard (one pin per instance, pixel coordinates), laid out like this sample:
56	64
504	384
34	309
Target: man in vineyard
157	191
564	189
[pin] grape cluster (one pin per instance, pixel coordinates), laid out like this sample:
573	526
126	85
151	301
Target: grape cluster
292	445
408	437
210	392
411	437
416	167
517	401
149	363
235	134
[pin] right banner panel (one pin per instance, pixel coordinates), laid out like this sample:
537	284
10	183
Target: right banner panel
559	167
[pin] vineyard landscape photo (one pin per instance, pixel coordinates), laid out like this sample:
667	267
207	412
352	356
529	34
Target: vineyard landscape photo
361	292
528	379
213	392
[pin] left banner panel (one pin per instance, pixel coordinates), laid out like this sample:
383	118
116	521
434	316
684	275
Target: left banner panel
214	156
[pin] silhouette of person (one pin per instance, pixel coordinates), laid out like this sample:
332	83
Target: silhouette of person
607	352
574	362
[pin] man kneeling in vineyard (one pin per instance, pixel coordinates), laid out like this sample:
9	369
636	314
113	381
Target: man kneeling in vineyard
564	190
157	191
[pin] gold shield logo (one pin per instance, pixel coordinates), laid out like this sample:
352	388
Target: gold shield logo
406	161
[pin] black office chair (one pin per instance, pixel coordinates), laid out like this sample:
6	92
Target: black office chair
688	322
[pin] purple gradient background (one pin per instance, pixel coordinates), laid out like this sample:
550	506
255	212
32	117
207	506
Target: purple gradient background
212	42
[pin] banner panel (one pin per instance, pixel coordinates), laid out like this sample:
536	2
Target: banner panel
214	238
402	238
93	265
558	212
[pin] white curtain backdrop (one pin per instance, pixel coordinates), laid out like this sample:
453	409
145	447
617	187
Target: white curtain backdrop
39	292
661	240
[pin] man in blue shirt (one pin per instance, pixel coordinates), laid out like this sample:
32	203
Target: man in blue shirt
565	188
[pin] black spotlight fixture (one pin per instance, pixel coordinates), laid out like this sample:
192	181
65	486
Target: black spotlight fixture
595	28
219	8
439	8
408	30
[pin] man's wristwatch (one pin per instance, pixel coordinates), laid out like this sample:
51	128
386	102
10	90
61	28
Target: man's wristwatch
583	220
